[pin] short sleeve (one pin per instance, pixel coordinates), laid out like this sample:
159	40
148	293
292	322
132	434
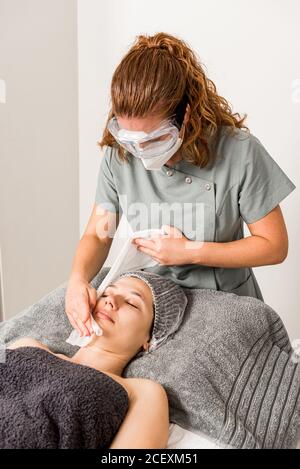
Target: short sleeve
263	184
106	192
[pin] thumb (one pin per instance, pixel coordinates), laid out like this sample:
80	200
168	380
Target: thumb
172	231
92	297
91	293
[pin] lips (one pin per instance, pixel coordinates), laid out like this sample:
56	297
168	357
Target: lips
104	313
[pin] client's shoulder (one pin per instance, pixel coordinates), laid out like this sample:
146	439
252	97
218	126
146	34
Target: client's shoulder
27	342
142	387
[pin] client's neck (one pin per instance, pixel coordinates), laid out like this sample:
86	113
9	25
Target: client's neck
95	356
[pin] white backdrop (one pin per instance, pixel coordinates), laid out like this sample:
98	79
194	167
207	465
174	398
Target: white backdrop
251	50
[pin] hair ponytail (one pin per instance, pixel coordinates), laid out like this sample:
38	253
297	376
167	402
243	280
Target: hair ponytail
160	75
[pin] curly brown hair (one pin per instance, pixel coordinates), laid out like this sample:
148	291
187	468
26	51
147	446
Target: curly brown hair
158	76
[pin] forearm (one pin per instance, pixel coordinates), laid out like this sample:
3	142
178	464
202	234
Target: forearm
252	251
89	258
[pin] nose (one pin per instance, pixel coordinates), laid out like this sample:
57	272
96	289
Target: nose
113	301
110	302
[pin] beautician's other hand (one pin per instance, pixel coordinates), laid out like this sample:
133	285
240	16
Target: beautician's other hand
170	249
80	301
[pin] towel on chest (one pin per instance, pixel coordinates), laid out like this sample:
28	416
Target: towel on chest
48	402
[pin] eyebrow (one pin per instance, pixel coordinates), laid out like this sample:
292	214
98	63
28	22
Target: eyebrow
130	291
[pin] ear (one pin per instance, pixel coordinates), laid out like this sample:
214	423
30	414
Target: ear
145	346
187	114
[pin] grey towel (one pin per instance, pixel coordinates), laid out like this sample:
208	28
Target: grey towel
47	402
227	371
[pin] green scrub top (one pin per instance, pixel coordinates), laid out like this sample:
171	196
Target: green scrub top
242	183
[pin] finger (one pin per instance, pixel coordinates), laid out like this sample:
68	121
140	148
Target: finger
150	252
83	327
80	328
79	324
96	305
83	306
92	295
147	243
88	324
77	327
73	323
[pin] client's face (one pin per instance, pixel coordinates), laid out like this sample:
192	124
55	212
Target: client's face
125	314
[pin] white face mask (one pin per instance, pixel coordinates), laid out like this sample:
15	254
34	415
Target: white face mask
154	148
156	162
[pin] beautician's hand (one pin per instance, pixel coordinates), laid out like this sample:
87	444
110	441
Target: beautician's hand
170	249
80	301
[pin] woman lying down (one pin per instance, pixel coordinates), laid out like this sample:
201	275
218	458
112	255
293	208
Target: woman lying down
50	400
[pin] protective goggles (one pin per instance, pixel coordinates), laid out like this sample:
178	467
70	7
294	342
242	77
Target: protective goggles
145	144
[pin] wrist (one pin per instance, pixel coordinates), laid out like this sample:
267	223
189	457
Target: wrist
77	277
195	250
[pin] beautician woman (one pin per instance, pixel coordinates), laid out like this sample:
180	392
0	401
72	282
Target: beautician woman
174	147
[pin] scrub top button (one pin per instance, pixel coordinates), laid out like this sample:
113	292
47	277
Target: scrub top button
188	180
170	172
207	187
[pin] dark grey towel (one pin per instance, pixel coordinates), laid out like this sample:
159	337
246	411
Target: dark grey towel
227	371
47	402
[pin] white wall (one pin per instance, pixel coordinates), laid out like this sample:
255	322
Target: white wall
251	49
39	210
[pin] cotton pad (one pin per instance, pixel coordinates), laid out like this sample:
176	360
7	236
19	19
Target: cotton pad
75	339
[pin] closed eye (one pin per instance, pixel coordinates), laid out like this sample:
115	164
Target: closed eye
131	304
128	303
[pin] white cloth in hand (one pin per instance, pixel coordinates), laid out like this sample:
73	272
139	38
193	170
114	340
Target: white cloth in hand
75	339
